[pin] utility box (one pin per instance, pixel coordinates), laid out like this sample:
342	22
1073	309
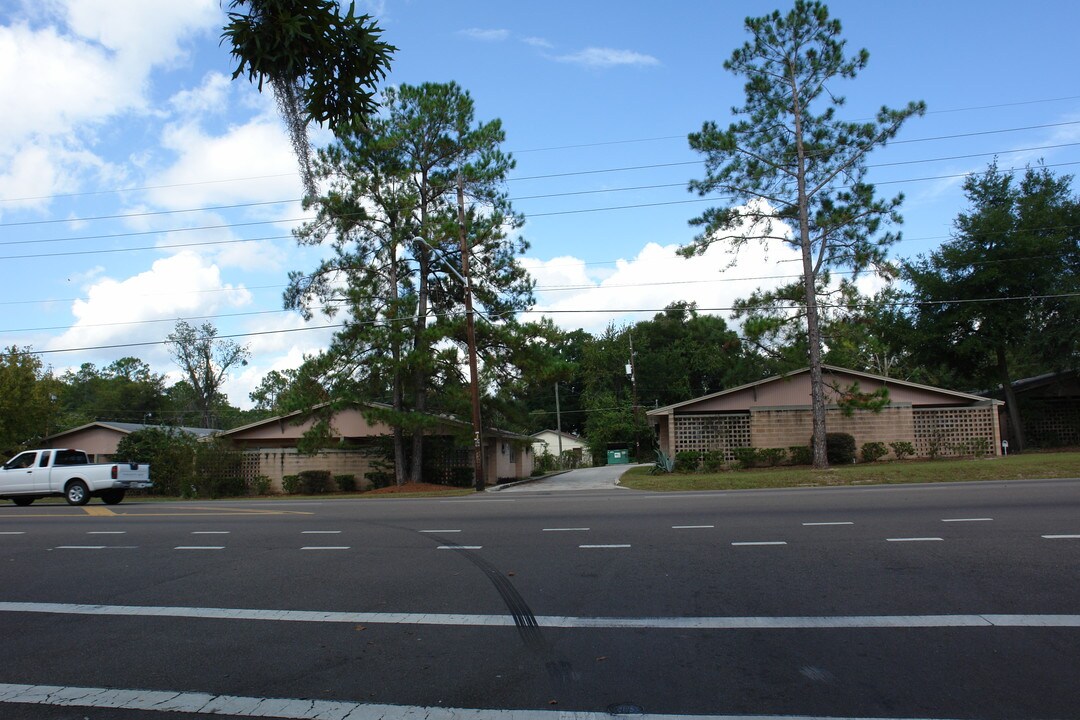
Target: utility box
618	457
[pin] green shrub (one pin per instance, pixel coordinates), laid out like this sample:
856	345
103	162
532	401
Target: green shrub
713	461
379	478
771	457
840	448
290	484
747	457
345	483
873	451
687	461
315	482
801	455
260	485
902	448
462	476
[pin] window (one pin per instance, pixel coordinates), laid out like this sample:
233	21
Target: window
44	461
70	457
22	460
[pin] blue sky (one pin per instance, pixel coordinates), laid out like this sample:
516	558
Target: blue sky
125	108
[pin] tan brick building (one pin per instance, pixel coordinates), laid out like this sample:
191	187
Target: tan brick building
775	413
270	447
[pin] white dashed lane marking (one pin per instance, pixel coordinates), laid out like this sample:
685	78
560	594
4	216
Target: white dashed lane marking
440	532
210	532
107	532
80	547
915	539
13	532
819	524
460	547
320	532
760	542
565	530
966	519
199	547
602	547
692	527
1062	537
326	547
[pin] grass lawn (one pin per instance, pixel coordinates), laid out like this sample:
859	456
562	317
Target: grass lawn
1015	467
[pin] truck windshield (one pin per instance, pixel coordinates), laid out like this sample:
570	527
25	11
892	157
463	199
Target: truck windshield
70	457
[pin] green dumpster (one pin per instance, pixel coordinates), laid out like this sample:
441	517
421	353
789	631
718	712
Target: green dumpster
618	457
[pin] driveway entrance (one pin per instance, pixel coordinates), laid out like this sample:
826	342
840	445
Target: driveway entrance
592	478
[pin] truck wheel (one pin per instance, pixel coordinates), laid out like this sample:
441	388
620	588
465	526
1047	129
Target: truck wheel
23	501
112	497
77	493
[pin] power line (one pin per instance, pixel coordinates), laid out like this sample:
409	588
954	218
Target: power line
535	177
624	311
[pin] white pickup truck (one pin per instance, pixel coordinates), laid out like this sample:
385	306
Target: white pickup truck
36	474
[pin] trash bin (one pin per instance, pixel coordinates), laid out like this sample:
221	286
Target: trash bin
618	457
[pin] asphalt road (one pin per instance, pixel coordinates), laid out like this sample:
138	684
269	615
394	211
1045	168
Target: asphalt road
941	601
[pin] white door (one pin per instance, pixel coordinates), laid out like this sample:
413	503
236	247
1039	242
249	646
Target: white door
17	474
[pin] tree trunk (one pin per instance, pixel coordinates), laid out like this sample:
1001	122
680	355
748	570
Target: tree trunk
813	327
1016	425
420	351
398	401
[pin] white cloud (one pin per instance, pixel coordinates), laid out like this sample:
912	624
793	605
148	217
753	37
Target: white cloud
255	157
125	311
80	64
538	42
485	34
653	279
607	57
209	97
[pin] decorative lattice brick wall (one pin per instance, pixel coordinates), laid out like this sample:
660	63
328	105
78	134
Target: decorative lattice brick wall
955	432
1051	422
712	432
276	463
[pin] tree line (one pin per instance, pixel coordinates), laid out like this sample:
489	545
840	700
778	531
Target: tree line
413	185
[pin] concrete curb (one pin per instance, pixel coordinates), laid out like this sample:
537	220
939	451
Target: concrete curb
526	481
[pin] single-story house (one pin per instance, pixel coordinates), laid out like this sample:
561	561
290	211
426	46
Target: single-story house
100	439
271	448
1049	408
559	444
776	413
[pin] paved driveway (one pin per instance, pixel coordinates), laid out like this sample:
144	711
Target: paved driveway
593	478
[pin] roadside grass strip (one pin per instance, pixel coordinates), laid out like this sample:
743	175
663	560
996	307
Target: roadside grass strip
299	709
812	622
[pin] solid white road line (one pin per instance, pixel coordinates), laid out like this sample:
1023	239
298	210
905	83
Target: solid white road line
558	621
817	524
966	519
692	527
299	709
914	539
766	542
565	530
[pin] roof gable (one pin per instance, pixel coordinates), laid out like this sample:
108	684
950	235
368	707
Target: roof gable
793	389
